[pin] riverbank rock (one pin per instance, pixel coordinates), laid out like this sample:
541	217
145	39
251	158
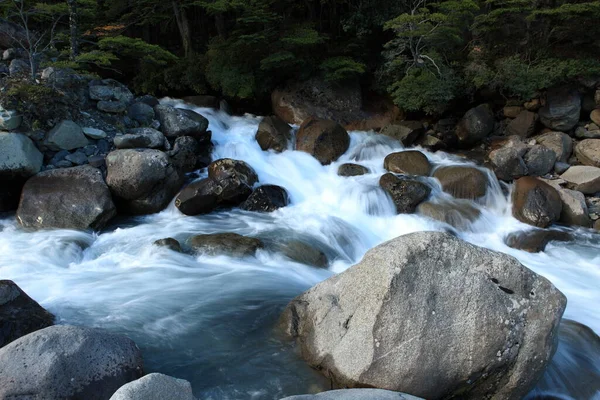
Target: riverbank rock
536	203
187	154
349	169
355	394
19	313
410	162
574	208
68	362
508	164
141	112
559	142
155	387
267	198
229	244
462	182
524	125
562	109
273	134
19	158
588	152
143	181
539	160
406	132
176	122
66	135
304	253
584	179
476	125
536	240
360	328
325	140
146	138
70	198
406	193
459	213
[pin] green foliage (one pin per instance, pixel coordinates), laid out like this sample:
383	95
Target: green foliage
34	101
135	48
341	68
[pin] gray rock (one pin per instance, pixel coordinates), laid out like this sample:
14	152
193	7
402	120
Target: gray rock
94	133
64	164
583	133
273	134
536	240
97	161
143	180
561	167
19	158
304	253
476	125
230	244
588	152
559	142
103	146
462	182
114	107
406	193
140	138
524	125
11	54
394	321
109	90
155	387
66	135
574	208
176	122
562	109
67	362
535	202
9	119
72	198
410	162
141	112
77	158
355	394
539	160
352	170
584	179
100	92
19	313
19	67
185	153
508	163
267	198
90	150
325	140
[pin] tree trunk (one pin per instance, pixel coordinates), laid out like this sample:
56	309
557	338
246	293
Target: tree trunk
73	21
184	27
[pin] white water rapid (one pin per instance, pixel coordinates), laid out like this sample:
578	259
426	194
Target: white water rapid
210	319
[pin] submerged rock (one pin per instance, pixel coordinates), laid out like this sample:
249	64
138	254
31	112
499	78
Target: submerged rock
410	162
266	198
536	240
304	253
535	202
406	193
155	387
169	243
230	244
273	134
462	182
352	170
394	321
68	362
325	140
19	313
459	213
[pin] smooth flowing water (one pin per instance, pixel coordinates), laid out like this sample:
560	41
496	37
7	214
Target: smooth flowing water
210	320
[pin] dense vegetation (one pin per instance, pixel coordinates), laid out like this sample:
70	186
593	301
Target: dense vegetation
424	53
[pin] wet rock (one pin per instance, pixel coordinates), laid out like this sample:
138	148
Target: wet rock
19	158
352	170
273	134
94	133
235	177
362	330
408	162
19	313
66	135
559	142
355	394
140	138
476	125
155	387
407	194
185	154
141	112
535	241
266	198
539	160
230	244
169	243
200	197
305	254
114	107
584	179
143	181
432	143
462	182
562	109
508	164
535	202
176	122
524	125
325	140
588	152
67	362
459	214
71	198
406	132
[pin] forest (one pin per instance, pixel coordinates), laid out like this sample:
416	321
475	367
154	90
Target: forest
426	55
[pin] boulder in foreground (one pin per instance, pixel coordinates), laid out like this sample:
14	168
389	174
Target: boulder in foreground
155	387
68	362
355	394
430	315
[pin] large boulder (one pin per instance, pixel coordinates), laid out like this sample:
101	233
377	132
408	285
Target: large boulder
588	152
559	142
68	362
19	158
143	181
562	109
155	387
140	138
462	182
408	162
354	394
229	244
476	125
19	313
524	125
394	321
584	179
273	134
66	135
266	198
70	198
323	139
406	193
176	122
535	202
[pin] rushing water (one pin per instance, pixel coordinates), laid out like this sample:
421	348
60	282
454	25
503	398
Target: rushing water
210	319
